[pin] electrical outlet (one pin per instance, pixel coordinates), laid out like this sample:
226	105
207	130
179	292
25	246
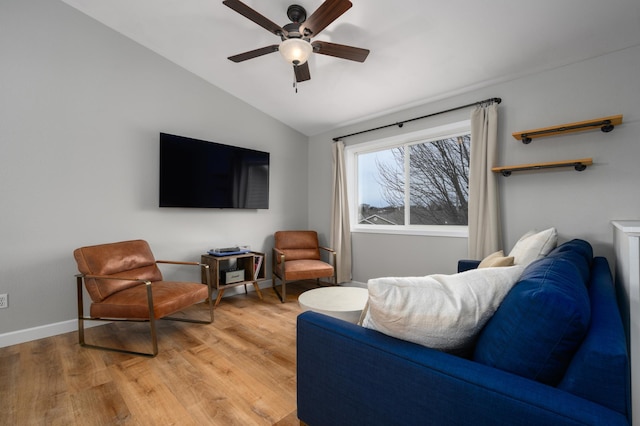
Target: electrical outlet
4	301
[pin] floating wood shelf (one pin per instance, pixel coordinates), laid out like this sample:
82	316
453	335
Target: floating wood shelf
579	165
606	124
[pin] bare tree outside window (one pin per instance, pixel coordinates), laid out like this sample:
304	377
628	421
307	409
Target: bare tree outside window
438	184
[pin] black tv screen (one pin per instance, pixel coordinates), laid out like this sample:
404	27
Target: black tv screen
197	173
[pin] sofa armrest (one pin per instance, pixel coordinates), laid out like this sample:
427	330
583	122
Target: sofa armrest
350	375
467	264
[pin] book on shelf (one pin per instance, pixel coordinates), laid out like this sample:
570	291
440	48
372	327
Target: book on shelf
257	263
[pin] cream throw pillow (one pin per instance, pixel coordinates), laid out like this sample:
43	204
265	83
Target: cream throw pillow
439	311
496	259
534	245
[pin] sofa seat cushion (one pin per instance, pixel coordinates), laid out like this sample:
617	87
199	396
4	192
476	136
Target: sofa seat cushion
438	311
168	297
540	323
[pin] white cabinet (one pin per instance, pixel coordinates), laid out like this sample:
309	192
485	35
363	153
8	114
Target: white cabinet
626	240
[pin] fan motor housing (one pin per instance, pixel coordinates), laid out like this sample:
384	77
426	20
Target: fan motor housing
293	30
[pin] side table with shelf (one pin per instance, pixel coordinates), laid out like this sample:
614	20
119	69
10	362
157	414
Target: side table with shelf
253	264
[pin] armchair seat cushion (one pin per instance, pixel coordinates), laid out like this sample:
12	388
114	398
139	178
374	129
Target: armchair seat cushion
304	269
168	297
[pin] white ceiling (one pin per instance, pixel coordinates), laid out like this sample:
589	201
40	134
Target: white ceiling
421	50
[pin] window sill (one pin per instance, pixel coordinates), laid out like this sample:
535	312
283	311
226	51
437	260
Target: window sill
429	231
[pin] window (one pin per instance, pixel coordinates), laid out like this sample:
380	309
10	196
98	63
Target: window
417	183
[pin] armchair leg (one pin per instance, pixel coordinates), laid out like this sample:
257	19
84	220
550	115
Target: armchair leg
82	319
80	310
154	341
282	297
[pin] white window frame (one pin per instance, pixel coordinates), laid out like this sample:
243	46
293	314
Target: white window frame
426	135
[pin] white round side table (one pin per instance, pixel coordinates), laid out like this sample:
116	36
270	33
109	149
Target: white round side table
345	303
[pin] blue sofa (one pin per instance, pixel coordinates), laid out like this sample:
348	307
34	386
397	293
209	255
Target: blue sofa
554	353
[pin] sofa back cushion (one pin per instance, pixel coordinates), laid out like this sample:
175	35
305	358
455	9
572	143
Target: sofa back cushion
580	253
541	322
599	370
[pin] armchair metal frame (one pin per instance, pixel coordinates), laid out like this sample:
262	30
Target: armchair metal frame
152	320
278	257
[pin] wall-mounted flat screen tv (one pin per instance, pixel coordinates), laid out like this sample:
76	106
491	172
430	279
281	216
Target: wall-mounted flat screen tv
197	173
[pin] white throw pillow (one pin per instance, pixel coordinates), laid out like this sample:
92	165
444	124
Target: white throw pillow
444	312
532	246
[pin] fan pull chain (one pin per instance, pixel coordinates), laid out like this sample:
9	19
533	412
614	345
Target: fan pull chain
295	81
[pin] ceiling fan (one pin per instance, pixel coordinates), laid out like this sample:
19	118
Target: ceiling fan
296	45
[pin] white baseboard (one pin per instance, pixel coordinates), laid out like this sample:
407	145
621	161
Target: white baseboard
35	333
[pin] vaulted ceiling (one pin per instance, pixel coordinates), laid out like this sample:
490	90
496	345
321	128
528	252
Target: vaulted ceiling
421	50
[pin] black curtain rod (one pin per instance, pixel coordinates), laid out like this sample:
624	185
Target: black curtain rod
401	123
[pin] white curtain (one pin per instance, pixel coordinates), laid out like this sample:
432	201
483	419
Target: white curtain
340	226
484	214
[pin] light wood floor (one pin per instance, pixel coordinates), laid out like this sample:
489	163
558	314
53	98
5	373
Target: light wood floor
240	370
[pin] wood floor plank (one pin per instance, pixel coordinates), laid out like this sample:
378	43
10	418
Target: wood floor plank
189	385
233	400
266	361
100	405
239	370
83	369
42	396
139	385
276	386
9	377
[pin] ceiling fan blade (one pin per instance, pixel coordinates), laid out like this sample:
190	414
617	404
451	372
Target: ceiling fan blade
254	16
328	12
302	72
254	53
340	51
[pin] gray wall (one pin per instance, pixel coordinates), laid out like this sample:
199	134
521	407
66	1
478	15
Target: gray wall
81	108
578	204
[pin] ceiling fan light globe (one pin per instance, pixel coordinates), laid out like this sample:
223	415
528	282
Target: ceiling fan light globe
295	51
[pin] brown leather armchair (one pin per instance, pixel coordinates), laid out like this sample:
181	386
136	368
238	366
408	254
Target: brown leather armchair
297	256
125	284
